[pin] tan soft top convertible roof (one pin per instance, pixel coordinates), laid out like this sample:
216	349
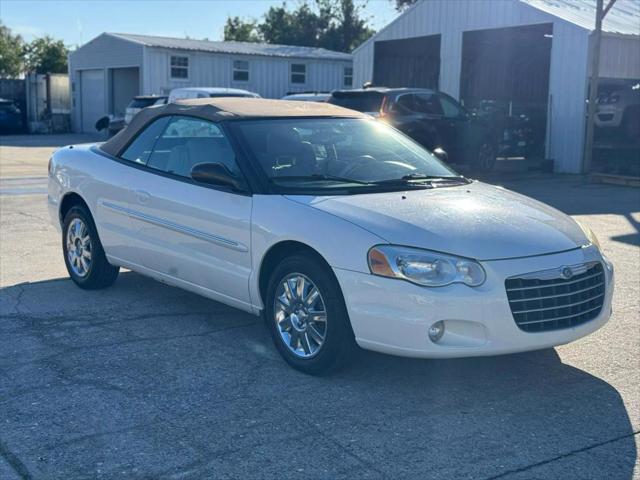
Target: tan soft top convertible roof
226	108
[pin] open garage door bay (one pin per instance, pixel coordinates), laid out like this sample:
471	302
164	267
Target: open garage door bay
505	76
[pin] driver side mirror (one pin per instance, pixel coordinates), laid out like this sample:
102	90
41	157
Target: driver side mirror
441	154
215	174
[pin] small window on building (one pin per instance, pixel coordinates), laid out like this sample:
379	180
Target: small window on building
240	71
348	76
179	67
298	73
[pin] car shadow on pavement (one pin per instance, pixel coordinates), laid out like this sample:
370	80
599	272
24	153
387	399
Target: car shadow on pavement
145	379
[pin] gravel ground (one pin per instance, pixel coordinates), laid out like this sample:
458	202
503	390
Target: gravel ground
147	381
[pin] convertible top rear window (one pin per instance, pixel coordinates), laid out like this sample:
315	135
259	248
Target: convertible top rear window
359	101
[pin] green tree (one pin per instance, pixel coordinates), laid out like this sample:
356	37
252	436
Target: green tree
347	29
238	30
300	27
333	24
46	55
11	53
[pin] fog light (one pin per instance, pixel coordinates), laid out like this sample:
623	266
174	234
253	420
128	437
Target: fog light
436	331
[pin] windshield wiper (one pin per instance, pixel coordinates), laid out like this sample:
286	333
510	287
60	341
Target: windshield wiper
417	178
319	176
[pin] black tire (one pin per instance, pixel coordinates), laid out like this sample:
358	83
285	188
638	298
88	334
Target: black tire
100	273
339	343
484	158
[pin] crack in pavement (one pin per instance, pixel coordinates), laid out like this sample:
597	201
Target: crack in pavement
560	457
161	338
329	438
14	462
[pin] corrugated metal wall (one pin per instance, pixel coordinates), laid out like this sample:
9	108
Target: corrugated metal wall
620	57
268	76
569	58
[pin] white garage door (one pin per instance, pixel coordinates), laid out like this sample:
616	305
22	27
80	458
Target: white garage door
92	102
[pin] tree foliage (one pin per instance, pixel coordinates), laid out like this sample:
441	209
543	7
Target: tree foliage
11	53
402	4
333	24
241	30
46	55
42	55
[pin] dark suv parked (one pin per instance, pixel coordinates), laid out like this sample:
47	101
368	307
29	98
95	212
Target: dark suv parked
432	118
10	117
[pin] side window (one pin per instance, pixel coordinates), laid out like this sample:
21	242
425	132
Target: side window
179	67
140	149
240	71
298	73
450	108
187	142
348	77
427	103
405	104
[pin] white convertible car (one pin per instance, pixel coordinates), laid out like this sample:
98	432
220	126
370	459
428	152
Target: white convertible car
337	228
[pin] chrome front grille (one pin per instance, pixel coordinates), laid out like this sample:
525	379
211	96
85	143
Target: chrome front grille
559	298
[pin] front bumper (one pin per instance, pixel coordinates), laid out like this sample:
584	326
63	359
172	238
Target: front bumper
393	316
608	116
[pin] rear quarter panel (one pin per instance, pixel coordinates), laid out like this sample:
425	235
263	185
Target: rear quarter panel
98	180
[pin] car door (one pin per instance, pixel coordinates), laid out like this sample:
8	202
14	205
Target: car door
455	127
404	117
189	232
111	187
419	115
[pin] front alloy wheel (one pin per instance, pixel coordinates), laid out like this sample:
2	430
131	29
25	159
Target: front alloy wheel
306	315
300	315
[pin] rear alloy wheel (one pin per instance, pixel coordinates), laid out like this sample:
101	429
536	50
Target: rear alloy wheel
79	247
83	254
486	158
306	315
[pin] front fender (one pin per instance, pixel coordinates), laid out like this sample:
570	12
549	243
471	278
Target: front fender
276	219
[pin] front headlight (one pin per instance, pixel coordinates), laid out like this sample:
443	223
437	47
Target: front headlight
423	267
589	234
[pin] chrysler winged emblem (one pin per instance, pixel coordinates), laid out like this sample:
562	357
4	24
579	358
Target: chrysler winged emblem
566	272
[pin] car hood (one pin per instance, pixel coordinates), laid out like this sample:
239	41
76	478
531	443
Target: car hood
477	220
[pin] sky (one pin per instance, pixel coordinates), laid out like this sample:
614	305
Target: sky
78	21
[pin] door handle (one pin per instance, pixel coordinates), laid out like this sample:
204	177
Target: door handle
142	196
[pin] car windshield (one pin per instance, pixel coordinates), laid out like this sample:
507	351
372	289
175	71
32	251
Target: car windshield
330	153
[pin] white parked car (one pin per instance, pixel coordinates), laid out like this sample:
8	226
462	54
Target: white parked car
337	228
620	110
206	92
140	102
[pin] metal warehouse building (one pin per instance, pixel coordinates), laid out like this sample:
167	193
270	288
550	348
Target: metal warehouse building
519	52
107	72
